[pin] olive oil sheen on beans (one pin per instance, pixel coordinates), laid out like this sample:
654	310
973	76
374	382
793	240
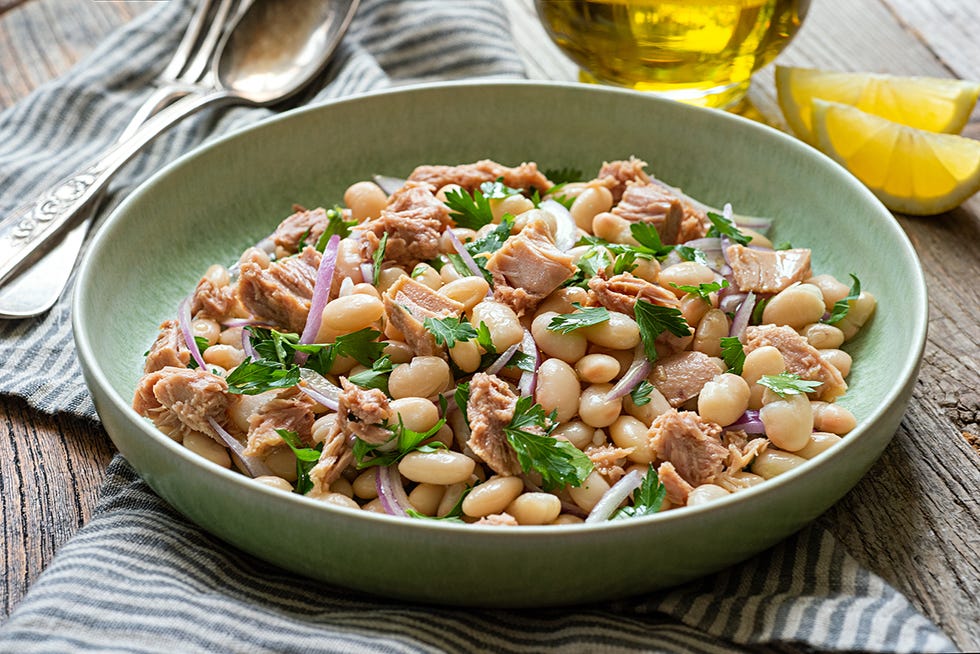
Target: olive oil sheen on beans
697	51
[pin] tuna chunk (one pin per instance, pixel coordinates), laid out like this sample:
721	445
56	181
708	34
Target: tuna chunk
470	176
528	268
291	410
303	224
677	489
681	376
213	301
414	220
620	292
334	459
650	203
615	175
281	293
498	520
767	271
180	400
609	460
490	409
364	413
408	303
691	444
801	359
168	349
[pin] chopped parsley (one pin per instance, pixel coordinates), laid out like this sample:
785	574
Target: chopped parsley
379	256
557	461
647	499
522	361
654	320
722	226
841	307
497	190
202	344
450	330
624	263
788	383
582	317
335	225
589	264
733	354
376	377
784	245
405	440
469	211
760	307
703	290
641	393
306	458
494	239
562	176
254	377
687	253
462	396
647	236
484	339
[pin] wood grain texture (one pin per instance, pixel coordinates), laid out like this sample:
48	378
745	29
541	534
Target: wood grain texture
914	519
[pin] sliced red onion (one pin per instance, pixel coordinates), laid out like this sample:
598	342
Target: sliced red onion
320	389
749	422
529	380
727	212
184	320
391	492
566	233
755	223
464	254
367	273
502	360
706	245
730	303
613	497
245	322
253	465
247	345
636	373
321	292
742	316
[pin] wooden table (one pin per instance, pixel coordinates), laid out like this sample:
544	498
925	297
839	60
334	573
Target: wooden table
914	519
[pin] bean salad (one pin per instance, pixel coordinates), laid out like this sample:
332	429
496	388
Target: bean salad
498	345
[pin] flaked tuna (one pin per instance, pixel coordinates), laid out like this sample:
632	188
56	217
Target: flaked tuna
181	400
290	410
691	444
490	408
620	292
408	303
280	293
767	271
680	377
801	359
168	349
525	176
414	220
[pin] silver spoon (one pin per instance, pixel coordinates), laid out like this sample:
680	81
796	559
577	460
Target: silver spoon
274	50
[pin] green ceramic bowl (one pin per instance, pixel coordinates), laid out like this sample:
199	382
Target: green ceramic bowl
211	204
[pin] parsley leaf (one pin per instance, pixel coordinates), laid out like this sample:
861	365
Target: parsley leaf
841	307
557	461
703	290
450	330
688	253
733	354
202	344
583	317
272	345
406	440
363	346
376	377
335	225
647	236
654	320
589	265
379	256
522	361
641	393
788	383
624	263
462	397
470	211
722	226
483	338
760	307
562	176
497	190
254	377
647	499
412	513
306	459
493	240
783	245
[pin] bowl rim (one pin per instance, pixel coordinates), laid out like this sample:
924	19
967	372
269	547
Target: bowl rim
907	374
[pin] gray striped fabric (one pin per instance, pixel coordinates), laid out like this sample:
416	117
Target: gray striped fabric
140	578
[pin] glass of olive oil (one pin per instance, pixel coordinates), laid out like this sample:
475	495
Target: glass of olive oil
698	51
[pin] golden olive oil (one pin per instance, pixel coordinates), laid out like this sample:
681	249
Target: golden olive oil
699	51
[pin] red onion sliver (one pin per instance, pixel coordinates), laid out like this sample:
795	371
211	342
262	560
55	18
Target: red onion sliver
245	322
254	466
247	345
320	389
464	254
755	223
391	492
502	360
742	316
367	273
613	497
566	233
706	245
184	319
636	373
749	422
730	303
529	380
321	291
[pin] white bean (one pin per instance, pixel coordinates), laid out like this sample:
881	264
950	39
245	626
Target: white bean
558	389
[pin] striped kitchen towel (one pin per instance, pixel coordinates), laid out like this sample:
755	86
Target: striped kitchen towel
140	578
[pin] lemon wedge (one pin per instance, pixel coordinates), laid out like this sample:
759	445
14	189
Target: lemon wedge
929	103
911	170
